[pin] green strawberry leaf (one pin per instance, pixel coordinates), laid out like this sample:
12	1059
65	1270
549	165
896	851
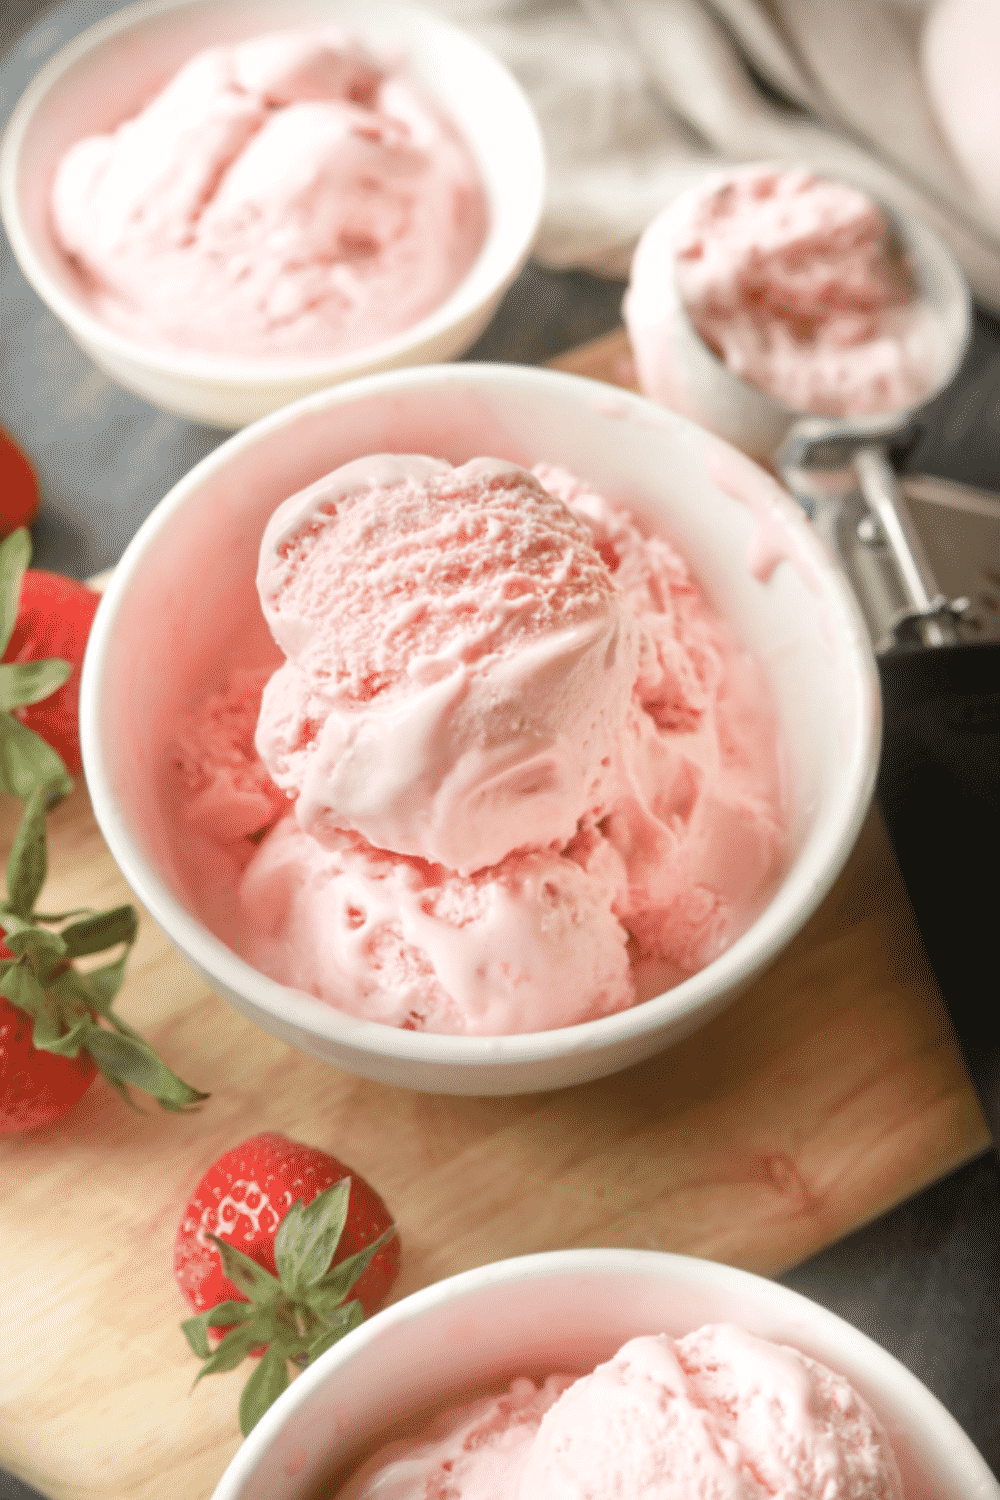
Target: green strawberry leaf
102	930
326	1303
71	991
62	916
20	986
23	937
103	985
223	1314
24	682
127	1060
15	555
47	1036
262	1389
27	863
27	762
307	1238
234	1348
284	1241
40	978
96	990
349	1317
260	1286
48	1023
332	1288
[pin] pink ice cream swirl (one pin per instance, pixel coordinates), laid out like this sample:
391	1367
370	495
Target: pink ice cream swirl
798	284
517	752
718	1414
291	196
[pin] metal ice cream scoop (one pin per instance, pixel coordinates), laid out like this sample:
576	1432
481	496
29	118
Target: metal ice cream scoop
939	775
857	449
939	778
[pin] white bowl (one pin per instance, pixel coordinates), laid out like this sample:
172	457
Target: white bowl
105	75
184	591
567	1311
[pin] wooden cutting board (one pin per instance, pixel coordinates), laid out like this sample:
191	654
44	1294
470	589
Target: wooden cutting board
828	1092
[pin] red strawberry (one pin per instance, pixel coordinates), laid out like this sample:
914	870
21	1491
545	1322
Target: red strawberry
18	487
52	1040
58	1025
35	1087
53	620
274	1238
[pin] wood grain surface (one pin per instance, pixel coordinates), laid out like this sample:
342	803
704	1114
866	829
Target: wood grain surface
829	1091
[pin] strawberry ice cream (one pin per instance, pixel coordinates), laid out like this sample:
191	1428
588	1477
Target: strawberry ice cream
512	757
466	684
719	1414
795	283
289	196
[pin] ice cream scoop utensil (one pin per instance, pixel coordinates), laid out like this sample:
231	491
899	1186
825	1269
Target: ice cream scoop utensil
860	445
939	774
835	444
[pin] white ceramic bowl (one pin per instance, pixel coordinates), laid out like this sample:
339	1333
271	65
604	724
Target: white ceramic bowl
567	1311
676	367
184	593
104	76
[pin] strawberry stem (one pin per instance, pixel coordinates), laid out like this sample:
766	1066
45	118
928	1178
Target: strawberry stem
298	1315
71	1009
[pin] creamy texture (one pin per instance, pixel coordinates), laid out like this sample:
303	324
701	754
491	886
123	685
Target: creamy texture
459	660
797	286
513	753
289	196
718	1414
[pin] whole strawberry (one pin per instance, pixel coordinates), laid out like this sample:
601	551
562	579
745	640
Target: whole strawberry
53	620
18	487
44	624
274	1237
57	1024
35	1087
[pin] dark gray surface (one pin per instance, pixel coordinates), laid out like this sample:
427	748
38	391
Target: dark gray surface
923	1280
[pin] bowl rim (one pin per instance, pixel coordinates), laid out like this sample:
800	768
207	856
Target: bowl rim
620	1264
742	961
462	302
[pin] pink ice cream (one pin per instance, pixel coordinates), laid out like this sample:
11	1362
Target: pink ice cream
289	196
796	284
511	755
459	660
718	1414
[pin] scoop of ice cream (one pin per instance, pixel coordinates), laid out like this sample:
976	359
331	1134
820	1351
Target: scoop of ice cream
287	196
795	283
230	795
699	819
469	1452
718	1414
529	945
459	660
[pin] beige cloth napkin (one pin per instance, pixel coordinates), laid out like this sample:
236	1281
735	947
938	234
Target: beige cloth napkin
637	98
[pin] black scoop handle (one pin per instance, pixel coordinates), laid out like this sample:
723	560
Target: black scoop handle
939	790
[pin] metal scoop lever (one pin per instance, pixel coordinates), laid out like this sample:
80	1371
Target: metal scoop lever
825	444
